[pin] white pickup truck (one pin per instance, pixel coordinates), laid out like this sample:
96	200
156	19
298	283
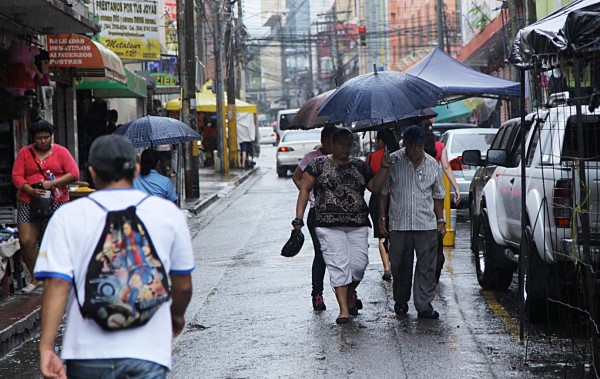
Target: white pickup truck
562	174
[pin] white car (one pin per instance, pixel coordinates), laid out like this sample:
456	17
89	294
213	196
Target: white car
458	140
294	145
267	136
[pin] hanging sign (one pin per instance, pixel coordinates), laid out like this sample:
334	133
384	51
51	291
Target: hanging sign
130	28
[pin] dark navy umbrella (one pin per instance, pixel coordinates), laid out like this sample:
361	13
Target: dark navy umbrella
380	98
154	130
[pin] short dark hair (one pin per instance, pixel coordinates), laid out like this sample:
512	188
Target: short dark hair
41	126
327	131
340	133
148	161
113	115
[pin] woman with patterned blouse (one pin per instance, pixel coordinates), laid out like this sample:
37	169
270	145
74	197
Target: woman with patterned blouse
342	215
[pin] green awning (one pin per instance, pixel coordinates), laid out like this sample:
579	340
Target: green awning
106	88
451	112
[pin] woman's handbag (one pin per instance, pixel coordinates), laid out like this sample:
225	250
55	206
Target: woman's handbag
40	207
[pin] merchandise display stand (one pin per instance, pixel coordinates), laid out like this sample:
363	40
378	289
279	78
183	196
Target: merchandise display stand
10	267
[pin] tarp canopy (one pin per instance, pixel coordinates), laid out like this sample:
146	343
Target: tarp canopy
459	81
206	101
107	88
575	26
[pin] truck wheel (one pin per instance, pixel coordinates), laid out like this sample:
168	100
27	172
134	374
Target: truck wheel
474	227
489	275
282	172
533	282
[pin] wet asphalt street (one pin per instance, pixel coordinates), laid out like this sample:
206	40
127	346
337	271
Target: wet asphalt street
251	314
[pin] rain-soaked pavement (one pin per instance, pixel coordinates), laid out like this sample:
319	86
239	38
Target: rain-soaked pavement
251	316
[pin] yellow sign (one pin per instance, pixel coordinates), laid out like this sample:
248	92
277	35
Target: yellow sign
130	28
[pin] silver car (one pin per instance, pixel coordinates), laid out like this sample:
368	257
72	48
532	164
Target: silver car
456	142
294	145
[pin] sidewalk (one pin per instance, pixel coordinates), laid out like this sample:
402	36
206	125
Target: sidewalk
20	314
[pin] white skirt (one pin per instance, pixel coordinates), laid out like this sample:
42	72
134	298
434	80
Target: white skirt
346	253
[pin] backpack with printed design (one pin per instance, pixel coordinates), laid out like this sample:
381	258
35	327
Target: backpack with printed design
126	282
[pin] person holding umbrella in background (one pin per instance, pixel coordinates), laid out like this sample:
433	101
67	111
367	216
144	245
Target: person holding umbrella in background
150	180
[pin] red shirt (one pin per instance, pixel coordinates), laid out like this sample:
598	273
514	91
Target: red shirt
374	160
439	147
59	162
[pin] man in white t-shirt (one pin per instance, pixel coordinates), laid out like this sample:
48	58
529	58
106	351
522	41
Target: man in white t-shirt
69	242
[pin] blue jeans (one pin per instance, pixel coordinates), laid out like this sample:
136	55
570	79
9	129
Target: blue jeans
115	369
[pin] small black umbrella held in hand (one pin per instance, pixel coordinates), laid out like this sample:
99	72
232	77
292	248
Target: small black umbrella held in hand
294	244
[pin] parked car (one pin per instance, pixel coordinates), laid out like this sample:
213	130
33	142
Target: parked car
507	138
562	217
459	140
439	128
267	136
293	147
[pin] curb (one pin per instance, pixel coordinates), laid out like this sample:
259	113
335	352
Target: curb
20	331
202	204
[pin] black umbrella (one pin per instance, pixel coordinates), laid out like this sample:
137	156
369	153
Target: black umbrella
380	97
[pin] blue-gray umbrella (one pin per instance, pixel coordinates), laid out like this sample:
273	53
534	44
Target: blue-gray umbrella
154	130
379	98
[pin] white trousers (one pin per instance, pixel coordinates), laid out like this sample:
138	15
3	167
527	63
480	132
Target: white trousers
345	252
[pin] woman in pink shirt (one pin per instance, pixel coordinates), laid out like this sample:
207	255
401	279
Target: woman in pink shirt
31	173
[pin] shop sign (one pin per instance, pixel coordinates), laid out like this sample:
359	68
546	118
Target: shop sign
130	28
164	80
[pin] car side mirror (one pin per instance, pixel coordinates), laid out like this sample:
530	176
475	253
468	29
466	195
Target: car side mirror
498	157
472	157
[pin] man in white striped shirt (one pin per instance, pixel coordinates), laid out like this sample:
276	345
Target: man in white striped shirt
416	211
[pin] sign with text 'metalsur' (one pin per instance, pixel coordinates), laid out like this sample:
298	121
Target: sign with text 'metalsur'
130	28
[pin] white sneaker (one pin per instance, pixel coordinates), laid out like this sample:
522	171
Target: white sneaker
31	287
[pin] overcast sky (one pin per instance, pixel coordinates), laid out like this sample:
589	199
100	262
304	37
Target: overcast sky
252	13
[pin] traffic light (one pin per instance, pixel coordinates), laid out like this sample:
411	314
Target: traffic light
362	33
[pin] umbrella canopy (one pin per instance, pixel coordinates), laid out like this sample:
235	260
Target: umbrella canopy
458	80
379	98
428	113
153	130
307	117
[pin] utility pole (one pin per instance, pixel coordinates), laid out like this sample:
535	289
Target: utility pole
311	87
339	60
200	31
230	52
439	12
185	36
218	85
241	87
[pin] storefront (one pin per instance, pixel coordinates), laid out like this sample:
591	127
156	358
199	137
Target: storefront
27	88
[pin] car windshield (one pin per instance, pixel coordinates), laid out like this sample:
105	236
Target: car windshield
462	142
302	136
